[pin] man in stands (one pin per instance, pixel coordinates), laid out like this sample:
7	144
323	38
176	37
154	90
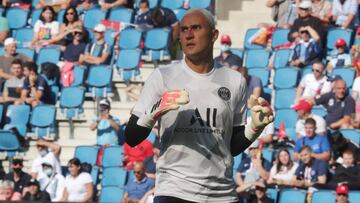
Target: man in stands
13	86
342	193
339	145
144	8
344	13
227	58
18	176
254	84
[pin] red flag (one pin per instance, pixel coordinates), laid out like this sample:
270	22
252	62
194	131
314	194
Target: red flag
281	133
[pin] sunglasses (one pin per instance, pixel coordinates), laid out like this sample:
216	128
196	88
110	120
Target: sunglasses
78	33
342	194
316	70
70	13
138	172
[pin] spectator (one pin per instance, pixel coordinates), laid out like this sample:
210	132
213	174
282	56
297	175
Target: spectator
303	109
267	135
150	162
306	19
13	86
339	58
310	171
97	52
226	57
4	29
308	49
284	12
72	51
48	151
344	12
138	153
109	4
18	176
339	144
137	188
319	143
356	96
51	181
322	10
107	125
339	105
78	184
7	192
35	88
260	192
284	169
313	84
142	16
34	194
46	28
254	84
342	193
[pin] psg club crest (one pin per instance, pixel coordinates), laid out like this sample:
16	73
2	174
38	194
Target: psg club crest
224	93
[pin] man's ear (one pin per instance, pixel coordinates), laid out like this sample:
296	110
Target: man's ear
215	35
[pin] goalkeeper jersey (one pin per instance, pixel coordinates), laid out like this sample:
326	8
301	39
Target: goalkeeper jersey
195	162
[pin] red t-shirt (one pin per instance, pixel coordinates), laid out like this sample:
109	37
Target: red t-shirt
138	153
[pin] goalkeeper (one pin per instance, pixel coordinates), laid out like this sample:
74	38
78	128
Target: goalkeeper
201	112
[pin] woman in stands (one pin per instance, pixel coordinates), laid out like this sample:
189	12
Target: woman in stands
78	184
46	28
283	170
71	21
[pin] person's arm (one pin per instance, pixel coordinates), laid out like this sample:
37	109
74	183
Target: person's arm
241	185
299	92
94	125
343	121
55	148
134	133
89	192
297	183
261	170
113	123
354	93
322	179
270	3
125	198
146	196
4	75
65	195
313	33
322	156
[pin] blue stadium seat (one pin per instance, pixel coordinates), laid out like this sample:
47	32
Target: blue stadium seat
130	38
347	74
238	52
237	160
279	37
351	134
2	51
267	154
87	154
128	61
109	37
286	78
111	195
180	12
306	70
354	196
9	142
249	33
112	156
35	15
256	58
292	196
71	101
48	54
291	133
121	14
17	116
323	196
289	117
284	98
1	112
282	58
319	110
99	80
262	73
95	171
24	35
151	137
42	121
272	193
199	4
267	94
152	3
60	16
27	52
79	76
172	4
93	17
157	45
114	176
17	17
336	33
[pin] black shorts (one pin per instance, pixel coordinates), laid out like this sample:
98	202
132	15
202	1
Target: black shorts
168	199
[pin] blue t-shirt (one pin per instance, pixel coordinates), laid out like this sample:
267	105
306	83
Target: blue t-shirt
105	133
150	165
41	85
246	163
318	168
318	143
136	190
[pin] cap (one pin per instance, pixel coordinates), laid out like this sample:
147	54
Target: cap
334	78
99	28
305	5
342	189
9	41
225	39
340	43
302	105
105	102
33	182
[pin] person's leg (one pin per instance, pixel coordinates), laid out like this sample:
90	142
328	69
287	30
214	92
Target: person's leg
168	199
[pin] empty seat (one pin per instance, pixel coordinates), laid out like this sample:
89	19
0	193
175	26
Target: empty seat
267	154
60	16
199	4
48	54
292	196
172	4
130	38
354	196
27	52
347	74
156	45
284	98
351	134
319	110
279	37
17	116
336	33
256	58
249	33
42	121
282	58
261	73
286	78
180	12
93	17
24	36
71	101
111	194
79	76
35	15
87	154
121	14
289	117
99	80
323	196
114	176
9	142
17	17
238	52
112	156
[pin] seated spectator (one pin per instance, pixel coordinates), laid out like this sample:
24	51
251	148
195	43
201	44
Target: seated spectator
283	170
339	105
57	5
46	28
83	5
7	192
303	110
260	192
150	162
339	58
356	96
339	144
142	15
35	88
322	10
18	176
344	12
107	125
342	193
51	181
226	57
138	153
78	185
139	186
284	12
13	86
34	194
254	84
319	143
48	151
97	52
310	171
109	4
4	29
308	49
72	51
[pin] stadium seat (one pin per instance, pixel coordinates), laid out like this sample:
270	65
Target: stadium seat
24	36
284	98
99	80
1	112
17	116
292	196
291	133
87	154
111	195
79	76
347	74
282	58
319	110
48	54
95	171
179	13
17	17
267	154
256	58
262	73
351	134
286	78
249	33
172	4
42	121
354	196
130	38
112	156
2	51
279	37
35	15
151	137
323	196
272	193
267	94
114	176
121	14
152	3
336	33
109	37
27	52
306	70
9	142
156	45
93	17
237	160
199	4
289	117
60	16
71	101
238	52
128	61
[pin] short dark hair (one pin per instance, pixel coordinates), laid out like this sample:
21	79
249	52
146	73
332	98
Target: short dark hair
31	66
45	9
144	2
305	147
17	62
74	161
310	121
157	16
349	151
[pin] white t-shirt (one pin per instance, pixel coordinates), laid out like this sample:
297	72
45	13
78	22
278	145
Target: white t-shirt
76	187
356	87
284	174
320	125
54	186
49	157
312	86
46	30
268	130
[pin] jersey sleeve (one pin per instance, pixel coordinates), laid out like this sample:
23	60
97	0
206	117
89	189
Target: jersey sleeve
240	105
323	99
324	145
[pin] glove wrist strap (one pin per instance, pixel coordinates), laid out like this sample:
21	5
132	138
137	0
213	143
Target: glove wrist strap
251	133
146	121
